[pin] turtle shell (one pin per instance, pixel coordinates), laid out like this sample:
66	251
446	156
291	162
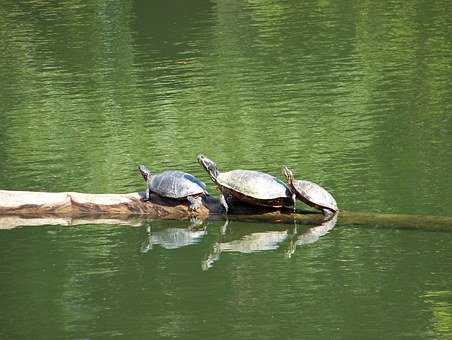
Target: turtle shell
176	184
314	195
254	184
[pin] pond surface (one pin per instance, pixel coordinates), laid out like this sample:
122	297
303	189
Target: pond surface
353	95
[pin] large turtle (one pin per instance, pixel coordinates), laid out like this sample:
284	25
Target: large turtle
311	193
174	184
252	187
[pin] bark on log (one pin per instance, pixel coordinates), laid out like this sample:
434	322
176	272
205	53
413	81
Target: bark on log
19	208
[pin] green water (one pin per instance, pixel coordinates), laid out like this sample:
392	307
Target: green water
353	95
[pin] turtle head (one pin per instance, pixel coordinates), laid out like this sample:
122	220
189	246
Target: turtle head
288	174
144	172
209	165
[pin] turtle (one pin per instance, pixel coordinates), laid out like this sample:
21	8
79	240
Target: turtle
310	193
248	186
174	184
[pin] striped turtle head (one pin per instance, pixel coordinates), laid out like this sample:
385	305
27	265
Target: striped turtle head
288	174
145	172
209	165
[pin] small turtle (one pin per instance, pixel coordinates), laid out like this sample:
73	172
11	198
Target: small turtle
174	184
311	193
252	187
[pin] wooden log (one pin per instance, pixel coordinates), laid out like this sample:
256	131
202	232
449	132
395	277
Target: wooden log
74	204
18	208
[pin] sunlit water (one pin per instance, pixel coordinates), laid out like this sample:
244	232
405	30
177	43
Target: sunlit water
355	96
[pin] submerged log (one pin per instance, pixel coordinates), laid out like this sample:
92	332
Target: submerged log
19	208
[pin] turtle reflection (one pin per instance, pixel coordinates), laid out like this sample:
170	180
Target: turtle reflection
174	237
248	243
268	240
311	235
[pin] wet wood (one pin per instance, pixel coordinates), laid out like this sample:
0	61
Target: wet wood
18	208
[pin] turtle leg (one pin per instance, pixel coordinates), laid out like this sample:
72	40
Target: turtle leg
224	203
194	202
146	195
